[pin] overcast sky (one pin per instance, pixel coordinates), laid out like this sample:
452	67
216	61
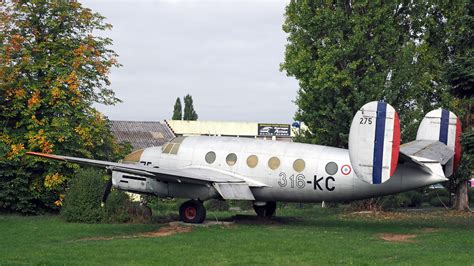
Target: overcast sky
226	54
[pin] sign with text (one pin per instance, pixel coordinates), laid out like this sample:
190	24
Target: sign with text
282	130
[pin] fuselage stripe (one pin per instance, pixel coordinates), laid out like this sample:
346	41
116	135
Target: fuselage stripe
379	142
443	128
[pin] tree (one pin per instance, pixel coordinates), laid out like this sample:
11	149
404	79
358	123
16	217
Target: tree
416	55
189	112
178	110
348	53
460	76
52	69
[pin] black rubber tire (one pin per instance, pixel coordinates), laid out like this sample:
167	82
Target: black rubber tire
267	210
270	209
192	211
259	210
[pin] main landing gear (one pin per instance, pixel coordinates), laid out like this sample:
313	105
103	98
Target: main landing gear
192	211
265	210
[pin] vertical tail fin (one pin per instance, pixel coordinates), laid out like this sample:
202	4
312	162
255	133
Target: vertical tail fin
374	142
444	126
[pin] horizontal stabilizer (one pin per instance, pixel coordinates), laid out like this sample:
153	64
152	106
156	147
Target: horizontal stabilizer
427	165
234	191
429	149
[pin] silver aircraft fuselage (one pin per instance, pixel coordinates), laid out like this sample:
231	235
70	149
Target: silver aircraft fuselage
276	171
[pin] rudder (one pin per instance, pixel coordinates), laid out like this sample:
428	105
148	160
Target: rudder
374	142
444	126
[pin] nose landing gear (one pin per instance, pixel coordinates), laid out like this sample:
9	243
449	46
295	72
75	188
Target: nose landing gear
192	211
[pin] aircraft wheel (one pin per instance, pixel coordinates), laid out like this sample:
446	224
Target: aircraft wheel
270	208
259	210
192	211
267	210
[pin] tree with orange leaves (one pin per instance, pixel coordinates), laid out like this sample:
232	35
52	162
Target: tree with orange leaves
52	69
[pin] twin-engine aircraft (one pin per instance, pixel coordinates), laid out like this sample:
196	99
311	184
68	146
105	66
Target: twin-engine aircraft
201	168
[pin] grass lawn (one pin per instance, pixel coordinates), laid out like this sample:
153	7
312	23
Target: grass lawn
298	236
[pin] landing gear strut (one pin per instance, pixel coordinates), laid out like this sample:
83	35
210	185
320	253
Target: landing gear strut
267	210
192	211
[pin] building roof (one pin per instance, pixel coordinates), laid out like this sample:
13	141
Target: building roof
221	128
141	134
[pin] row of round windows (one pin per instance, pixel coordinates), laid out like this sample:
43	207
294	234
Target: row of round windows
252	161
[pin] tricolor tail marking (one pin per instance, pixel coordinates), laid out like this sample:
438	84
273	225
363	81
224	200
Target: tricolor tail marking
395	144
379	141
443	129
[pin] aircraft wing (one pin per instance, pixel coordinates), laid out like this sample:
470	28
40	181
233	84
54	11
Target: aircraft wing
192	176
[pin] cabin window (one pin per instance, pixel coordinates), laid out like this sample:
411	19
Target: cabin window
252	161
231	159
331	168
299	165
274	163
210	157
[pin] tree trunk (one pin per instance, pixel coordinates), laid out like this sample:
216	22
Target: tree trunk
462	201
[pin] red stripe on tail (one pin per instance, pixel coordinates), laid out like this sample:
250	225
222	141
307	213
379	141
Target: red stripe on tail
395	144
457	145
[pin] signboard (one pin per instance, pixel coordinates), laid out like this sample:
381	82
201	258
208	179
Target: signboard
281	130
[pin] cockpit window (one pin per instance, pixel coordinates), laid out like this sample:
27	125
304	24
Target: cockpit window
172	147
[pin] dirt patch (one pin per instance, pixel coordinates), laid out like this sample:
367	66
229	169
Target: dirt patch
162	232
167	231
429	230
397	237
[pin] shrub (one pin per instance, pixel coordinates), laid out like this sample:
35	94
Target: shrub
82	201
116	207
438	202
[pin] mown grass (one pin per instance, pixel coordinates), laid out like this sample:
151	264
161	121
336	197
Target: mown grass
298	236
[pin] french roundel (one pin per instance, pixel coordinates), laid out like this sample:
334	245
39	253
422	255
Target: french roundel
346	169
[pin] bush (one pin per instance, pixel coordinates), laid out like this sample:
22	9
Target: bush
116	207
432	197
438	202
410	199
83	199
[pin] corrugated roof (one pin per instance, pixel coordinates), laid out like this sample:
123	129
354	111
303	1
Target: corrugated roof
141	134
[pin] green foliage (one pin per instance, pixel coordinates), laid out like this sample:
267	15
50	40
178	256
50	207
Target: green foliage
116	207
52	69
178	110
189	112
346	55
83	198
460	67
410	199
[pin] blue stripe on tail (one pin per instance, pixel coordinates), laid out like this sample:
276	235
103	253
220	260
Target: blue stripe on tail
443	128
379	140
